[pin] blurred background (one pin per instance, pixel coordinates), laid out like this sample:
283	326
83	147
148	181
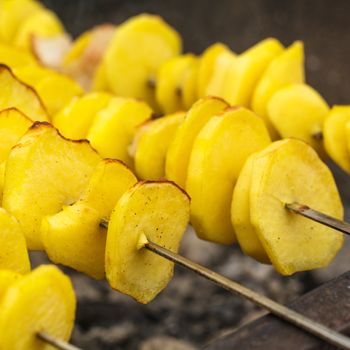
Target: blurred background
191	311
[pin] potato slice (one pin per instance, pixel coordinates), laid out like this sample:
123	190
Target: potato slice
43	23
180	148
152	142
222	65
7	279
207	65
44	301
13	253
299	111
293	172
114	127
15	57
245	73
217	157
285	69
44	172
75	119
240	215
73	237
335	136
13	125
137	50
12	15
19	95
158	211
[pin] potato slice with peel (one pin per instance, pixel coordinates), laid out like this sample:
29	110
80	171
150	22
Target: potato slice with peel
152	142
114	127
43	23
222	65
43	300
285	69
13	125
240	215
299	111
44	172
180	148
206	66
139	47
336	137
158	211
246	71
293	172
73	237
19	95
217	157
7	279
74	120
13	253
15	57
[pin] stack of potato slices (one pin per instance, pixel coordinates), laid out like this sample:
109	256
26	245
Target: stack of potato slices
78	134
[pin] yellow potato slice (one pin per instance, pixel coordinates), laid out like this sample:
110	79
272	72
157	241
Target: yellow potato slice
206	66
152	143
73	237
285	69
43	23
74	120
299	111
158	211
176	82
19	95
13	125
336	136
217	157
7	279
180	148
240	215
13	253
43	300
79	46
12	15
217	82
44	172
137	50
247	69
114	127
15	57
293	172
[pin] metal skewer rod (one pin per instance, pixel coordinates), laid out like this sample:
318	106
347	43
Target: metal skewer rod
319	217
279	310
57	343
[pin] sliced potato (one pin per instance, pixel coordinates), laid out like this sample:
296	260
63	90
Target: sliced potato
7	279
240	215
114	127
336	137
180	148
152	143
285	69
15	57
299	111
73	237
217	157
43	300
247	69
13	125
19	95
137	50
75	119
207	65
293	172
43	23
13	253
44	172
158	211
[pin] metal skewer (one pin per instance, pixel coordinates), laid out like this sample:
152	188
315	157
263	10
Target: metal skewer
57	343
317	216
